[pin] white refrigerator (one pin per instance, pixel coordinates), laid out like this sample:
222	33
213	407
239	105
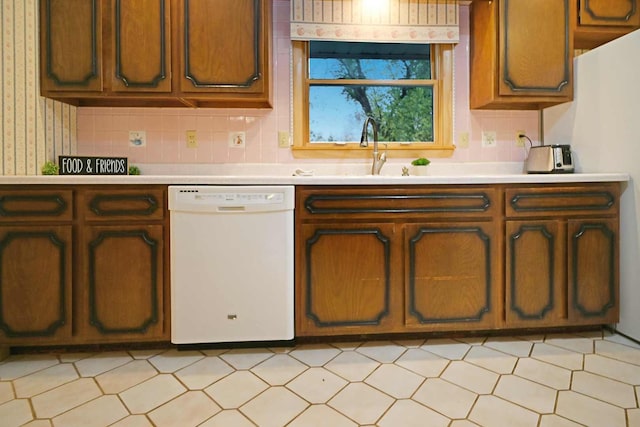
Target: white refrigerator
602	124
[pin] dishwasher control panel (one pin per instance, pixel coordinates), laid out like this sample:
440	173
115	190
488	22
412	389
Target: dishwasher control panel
220	198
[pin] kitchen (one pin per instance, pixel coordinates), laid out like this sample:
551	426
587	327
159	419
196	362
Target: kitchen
105	132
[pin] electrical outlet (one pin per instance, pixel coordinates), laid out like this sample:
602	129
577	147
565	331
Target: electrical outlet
137	138
463	140
237	139
520	139
489	139
283	139
192	140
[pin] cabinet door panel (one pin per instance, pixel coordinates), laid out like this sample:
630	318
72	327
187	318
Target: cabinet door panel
122	294
346	283
536	46
613	13
535	273
593	271
35	284
445	289
141	46
221	44
71	47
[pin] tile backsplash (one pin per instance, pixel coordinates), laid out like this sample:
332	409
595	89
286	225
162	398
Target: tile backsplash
35	129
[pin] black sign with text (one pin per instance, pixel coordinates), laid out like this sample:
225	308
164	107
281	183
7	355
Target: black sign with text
78	165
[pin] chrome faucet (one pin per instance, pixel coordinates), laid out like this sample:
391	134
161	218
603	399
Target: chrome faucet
378	158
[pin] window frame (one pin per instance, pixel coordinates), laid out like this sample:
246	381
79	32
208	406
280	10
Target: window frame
442	146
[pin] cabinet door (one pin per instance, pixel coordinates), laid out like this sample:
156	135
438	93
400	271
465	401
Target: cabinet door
536	48
451	273
71	45
223	45
614	13
593	271
346	283
141	46
35	284
536	291
121	292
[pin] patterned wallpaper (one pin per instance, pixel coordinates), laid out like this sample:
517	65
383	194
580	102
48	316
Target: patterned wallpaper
33	129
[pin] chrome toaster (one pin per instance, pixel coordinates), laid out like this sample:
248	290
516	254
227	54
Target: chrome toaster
549	159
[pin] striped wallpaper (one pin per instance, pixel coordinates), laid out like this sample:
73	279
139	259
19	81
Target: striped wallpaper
33	129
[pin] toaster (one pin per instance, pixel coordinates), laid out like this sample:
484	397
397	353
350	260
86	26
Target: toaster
549	159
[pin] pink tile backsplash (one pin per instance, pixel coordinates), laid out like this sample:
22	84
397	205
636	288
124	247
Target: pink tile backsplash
105	131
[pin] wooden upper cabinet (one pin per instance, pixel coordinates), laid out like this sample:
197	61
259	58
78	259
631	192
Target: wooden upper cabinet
223	46
600	21
71	45
521	54
141	46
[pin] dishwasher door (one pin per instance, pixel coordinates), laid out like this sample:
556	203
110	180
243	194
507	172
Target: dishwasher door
231	263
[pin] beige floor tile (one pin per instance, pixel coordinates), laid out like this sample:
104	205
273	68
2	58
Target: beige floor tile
174	360
317	385
100	412
493	411
275	407
361	402
462	423
614	369
526	393
352	366
214	351
414	343
446	398
382	351
18	366
633	416
189	409
101	362
74	357
572	342
44	380
15	413
203	373
146	353
152	393
617	338
552	420
423	363
37	423
279	369
65	397
557	356
228	418
617	351
133	421
407	413
234	390
315	354
544	373
347	345
588	411
321	416
246	358
126	376
510	345
6	392
471	377
472	340
491	359
395	381
605	389
447	348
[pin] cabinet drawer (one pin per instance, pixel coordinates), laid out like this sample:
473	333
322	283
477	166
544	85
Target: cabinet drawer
35	205
601	199
136	204
391	202
614	13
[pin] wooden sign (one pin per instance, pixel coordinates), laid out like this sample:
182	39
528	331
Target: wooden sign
79	165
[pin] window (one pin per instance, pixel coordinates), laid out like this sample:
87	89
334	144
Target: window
406	88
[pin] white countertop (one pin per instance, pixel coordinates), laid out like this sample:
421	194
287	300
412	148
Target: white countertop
321	174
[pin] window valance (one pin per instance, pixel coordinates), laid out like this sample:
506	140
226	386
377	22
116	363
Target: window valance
401	21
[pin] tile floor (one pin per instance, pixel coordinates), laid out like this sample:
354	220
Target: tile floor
588	379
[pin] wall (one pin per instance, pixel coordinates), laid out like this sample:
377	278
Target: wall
33	129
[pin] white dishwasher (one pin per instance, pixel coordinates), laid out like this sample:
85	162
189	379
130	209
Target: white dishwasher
231	263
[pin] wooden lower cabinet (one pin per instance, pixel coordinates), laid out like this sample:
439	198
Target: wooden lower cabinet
35	284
